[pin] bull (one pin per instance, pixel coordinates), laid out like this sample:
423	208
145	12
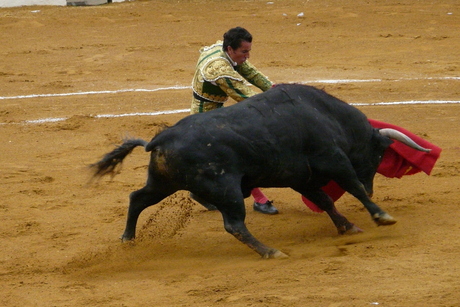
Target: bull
293	135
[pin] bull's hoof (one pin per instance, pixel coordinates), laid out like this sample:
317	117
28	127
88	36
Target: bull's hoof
126	239
383	219
350	230
275	254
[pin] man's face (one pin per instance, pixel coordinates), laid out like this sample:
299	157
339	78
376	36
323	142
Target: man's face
240	54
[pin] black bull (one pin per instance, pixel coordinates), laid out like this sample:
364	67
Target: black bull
292	136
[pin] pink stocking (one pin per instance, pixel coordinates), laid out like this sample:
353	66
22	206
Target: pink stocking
259	197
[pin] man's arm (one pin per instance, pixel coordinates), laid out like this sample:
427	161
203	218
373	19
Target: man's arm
236	89
221	73
254	76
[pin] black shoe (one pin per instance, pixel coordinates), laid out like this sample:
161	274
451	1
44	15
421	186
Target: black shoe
202	202
266	208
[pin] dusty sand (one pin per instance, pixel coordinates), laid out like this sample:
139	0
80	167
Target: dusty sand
60	236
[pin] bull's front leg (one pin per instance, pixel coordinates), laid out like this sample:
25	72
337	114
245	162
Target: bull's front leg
324	202
356	188
234	224
343	225
380	217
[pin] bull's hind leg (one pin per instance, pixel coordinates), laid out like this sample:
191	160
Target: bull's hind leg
138	201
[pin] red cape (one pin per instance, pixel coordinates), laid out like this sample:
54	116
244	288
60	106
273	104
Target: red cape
398	160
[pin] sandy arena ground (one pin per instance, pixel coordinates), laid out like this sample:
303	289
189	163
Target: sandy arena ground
59	235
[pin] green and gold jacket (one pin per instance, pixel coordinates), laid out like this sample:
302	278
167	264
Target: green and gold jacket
217	77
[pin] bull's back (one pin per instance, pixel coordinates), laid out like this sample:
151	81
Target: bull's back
303	113
277	128
287	115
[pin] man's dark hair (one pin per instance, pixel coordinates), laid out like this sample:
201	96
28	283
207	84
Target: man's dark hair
235	36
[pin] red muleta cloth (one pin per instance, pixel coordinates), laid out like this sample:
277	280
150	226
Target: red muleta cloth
398	160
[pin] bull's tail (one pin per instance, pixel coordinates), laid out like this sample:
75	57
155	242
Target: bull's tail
108	164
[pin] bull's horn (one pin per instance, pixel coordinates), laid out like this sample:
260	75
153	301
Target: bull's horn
399	136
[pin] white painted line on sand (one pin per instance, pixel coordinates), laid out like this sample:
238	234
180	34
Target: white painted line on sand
58	119
407	102
95	92
332	81
143	114
180	87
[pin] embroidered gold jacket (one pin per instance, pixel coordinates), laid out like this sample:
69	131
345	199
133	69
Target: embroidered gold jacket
217	77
